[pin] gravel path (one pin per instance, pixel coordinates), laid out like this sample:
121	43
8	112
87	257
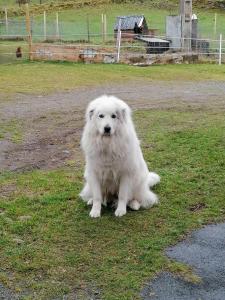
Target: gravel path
150	94
6	294
51	125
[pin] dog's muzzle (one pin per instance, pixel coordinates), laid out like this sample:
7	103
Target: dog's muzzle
107	130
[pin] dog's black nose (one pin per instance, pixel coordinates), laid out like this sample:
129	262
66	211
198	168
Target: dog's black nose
107	129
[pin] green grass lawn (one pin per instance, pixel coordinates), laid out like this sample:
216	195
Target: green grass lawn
50	247
44	77
6	3
11	130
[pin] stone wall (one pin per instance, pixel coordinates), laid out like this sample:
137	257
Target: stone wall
75	53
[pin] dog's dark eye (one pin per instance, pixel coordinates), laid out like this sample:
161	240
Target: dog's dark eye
113	116
101	116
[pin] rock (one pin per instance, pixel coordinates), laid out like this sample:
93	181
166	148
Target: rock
24	218
66	151
18	241
109	59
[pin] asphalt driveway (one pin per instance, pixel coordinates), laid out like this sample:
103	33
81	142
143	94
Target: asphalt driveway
204	251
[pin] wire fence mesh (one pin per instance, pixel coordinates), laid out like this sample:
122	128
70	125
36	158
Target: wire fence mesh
209	26
76	23
131	50
86	31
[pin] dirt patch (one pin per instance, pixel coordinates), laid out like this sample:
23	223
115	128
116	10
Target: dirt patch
52	124
49	142
196	207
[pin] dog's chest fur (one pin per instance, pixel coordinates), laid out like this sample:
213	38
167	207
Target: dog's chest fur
109	167
111	154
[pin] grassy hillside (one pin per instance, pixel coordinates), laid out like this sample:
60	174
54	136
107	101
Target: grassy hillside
48	5
14	2
195	2
74	21
73	15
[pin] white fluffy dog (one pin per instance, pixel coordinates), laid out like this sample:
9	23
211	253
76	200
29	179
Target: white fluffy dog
115	168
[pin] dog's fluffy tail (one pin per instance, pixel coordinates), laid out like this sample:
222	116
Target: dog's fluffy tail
153	179
148	198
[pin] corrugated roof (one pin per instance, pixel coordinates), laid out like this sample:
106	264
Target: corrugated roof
128	22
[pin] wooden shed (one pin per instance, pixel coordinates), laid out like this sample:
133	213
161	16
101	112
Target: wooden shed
131	25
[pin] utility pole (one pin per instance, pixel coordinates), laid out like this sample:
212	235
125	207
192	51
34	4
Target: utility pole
186	24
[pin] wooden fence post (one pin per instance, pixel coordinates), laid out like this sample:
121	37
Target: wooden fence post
44	26
6	22
88	29
118	41
102	28
105	28
215	25
28	28
57	25
220	50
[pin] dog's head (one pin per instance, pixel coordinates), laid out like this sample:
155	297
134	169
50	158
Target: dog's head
106	114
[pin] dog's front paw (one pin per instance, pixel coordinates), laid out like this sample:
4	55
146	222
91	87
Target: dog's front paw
90	201
95	213
154	199
134	205
120	212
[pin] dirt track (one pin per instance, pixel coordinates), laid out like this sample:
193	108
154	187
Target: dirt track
52	125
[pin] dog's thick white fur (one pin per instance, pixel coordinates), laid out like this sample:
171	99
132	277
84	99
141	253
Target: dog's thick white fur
115	167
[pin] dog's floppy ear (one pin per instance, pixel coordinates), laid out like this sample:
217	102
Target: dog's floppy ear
91	112
124	113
